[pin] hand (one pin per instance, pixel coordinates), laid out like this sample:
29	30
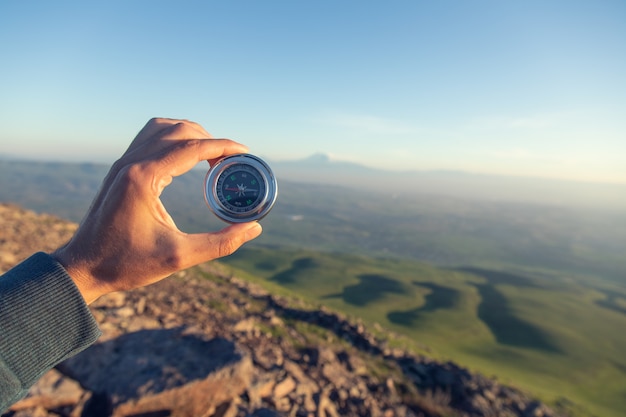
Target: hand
128	239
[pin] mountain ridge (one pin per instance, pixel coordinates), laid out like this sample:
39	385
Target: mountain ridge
322	169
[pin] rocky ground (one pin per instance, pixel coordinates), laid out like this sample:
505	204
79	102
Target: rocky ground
205	343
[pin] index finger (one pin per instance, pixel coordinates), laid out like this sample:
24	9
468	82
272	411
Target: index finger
185	154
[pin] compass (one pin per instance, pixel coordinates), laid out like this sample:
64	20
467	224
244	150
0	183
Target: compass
240	188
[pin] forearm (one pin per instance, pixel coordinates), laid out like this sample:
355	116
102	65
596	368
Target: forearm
43	320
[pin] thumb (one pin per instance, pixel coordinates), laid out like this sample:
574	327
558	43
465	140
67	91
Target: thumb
203	247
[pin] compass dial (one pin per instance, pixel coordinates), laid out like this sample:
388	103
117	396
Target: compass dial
240	188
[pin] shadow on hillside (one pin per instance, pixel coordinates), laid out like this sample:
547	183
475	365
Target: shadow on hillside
612	301
508	329
148	362
290	275
371	288
494	310
439	298
266	266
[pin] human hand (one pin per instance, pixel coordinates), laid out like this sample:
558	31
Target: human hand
127	238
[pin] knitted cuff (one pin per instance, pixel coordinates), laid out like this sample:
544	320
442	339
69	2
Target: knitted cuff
43	318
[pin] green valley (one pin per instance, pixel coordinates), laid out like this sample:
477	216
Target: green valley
548	335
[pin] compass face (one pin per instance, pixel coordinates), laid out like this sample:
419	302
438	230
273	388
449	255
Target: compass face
240	188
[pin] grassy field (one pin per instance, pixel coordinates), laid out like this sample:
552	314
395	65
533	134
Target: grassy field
546	334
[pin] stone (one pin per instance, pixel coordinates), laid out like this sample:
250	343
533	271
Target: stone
247	325
111	300
335	374
261	388
284	387
195	398
151	370
140	307
125	312
282	404
325	407
308	403
53	390
391	386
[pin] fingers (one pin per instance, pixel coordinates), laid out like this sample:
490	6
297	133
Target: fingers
154	126
185	155
158	124
203	247
175	146
182	130
152	136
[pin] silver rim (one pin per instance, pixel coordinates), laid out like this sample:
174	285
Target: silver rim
223	212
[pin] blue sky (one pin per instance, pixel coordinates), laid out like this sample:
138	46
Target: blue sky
519	88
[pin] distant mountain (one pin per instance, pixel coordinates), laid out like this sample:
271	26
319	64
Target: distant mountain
318	158
321	160
322	169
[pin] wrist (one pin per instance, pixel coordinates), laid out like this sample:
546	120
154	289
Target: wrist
89	287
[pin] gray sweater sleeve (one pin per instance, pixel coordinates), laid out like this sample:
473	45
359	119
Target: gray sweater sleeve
43	320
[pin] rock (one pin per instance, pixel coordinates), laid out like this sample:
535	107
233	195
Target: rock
282	404
24	231
326	355
305	382
198	398
125	312
140	307
308	403
176	373
53	390
391	386
8	258
246	326
268	356
326	408
284	387
111	300
35	412
261	388
336	374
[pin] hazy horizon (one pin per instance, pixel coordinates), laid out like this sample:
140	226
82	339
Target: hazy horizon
465	186
332	160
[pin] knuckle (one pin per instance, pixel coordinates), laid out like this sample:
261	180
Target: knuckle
179	128
159	120
133	173
192	144
184	129
227	246
185	146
